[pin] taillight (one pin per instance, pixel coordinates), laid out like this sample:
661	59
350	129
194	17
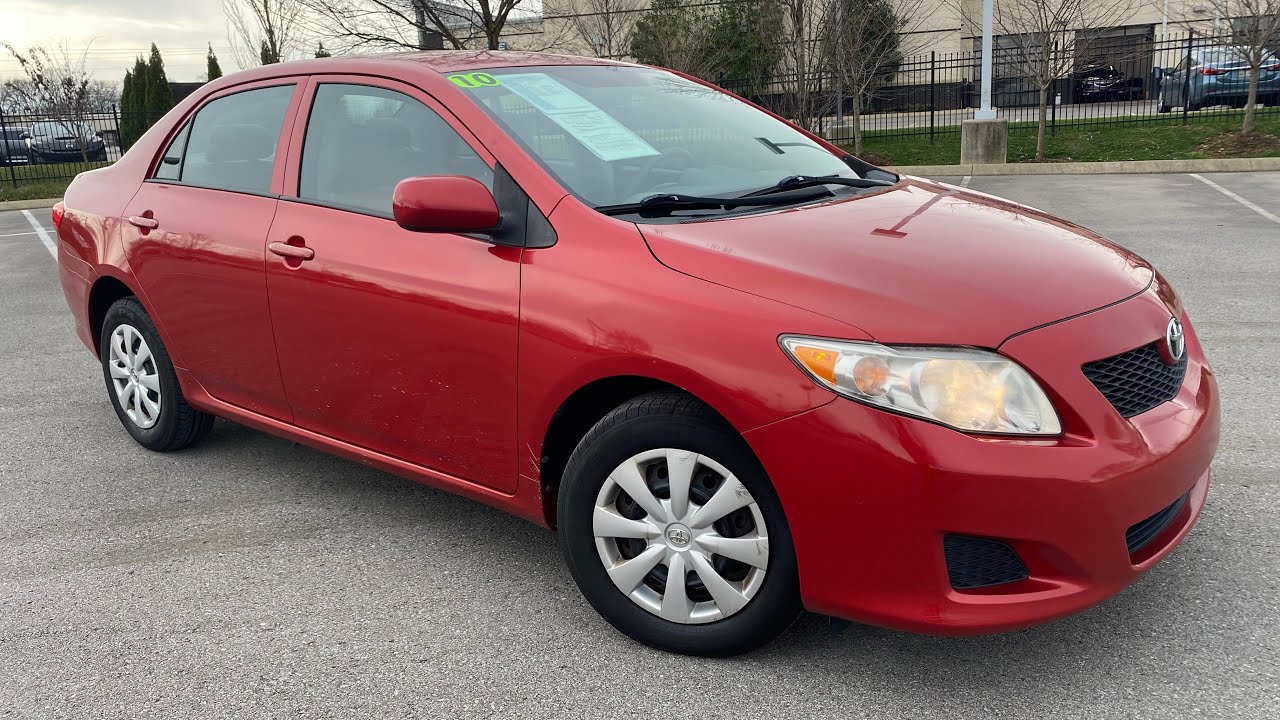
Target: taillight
1273	68
1213	71
58	211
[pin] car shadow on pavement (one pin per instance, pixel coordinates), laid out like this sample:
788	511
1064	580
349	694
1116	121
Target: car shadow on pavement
357	499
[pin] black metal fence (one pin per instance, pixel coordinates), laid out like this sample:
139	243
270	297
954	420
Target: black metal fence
37	148
1104	81
1101	82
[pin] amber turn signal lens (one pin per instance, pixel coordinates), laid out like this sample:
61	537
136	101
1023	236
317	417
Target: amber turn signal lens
819	361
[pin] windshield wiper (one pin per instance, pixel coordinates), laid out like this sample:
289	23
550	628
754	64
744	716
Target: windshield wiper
663	205
795	182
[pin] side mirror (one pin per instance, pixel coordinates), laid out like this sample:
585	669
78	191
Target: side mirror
444	203
25	135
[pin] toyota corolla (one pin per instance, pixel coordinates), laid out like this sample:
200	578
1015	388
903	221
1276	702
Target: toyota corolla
740	371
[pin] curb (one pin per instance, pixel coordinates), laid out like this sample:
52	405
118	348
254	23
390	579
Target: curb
28	204
1124	167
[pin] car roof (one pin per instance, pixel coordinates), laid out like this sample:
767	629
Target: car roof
439	61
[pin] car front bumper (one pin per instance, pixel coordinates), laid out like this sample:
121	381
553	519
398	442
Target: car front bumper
870	496
73	155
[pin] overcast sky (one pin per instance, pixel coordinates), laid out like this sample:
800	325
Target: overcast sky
117	30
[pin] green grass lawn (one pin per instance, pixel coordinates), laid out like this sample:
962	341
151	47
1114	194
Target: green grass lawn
36	182
1156	140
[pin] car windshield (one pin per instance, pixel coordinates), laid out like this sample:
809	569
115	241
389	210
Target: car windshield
614	135
55	128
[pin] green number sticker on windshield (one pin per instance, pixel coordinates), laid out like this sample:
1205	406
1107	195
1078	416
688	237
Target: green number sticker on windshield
474	80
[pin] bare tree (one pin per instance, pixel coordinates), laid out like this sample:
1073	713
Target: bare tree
261	32
57	85
805	98
1034	35
865	46
1256	42
101	96
358	24
605	27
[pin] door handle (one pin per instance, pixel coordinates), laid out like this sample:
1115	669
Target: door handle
293	252
146	223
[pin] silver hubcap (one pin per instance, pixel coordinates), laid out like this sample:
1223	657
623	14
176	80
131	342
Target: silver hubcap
134	376
681	536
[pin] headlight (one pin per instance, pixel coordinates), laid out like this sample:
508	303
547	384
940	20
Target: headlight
970	390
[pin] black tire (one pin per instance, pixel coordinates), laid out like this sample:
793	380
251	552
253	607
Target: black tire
178	425
675	420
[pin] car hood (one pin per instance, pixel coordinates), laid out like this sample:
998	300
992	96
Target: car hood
920	263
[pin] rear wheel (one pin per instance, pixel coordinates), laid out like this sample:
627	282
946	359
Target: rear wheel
674	533
141	383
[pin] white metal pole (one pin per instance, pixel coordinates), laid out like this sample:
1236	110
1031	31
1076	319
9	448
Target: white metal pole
1164	41
986	112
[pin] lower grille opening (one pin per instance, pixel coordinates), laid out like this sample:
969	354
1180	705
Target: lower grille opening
974	562
1142	533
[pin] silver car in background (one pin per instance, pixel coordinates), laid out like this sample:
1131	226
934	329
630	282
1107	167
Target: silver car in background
1217	76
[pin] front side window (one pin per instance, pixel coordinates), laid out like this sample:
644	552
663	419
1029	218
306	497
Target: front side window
232	143
362	140
614	135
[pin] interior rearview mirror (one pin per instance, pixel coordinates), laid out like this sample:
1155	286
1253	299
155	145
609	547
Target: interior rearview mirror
444	203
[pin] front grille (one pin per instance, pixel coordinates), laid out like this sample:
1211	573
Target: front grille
1142	533
974	562
1138	380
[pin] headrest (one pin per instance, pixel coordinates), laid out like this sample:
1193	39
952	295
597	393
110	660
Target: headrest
231	143
388	131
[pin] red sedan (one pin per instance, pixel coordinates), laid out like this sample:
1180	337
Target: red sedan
740	371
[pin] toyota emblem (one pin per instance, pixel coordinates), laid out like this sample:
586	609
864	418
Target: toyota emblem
1175	341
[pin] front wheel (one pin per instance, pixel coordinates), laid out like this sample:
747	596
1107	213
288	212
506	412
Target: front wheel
674	533
141	382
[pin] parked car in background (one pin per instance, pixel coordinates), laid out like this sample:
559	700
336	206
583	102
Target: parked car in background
1099	83
64	141
13	145
740	370
1217	76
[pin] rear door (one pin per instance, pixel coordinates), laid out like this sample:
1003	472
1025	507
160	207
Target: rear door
400	342
195	238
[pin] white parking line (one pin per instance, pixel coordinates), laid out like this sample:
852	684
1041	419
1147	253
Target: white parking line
44	236
965	181
30	232
1270	216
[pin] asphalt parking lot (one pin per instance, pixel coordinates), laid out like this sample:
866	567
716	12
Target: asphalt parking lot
252	577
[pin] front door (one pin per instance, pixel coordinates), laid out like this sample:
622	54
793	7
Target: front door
396	341
196	234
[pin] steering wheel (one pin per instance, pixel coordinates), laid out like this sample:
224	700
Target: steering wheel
649	164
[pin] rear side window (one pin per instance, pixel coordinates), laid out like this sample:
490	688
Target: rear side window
171	164
362	140
232	143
